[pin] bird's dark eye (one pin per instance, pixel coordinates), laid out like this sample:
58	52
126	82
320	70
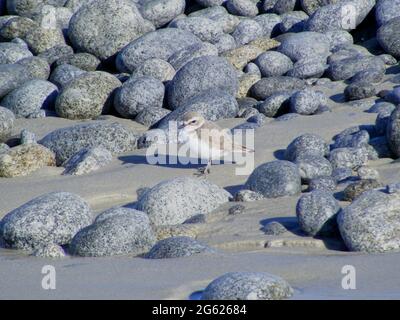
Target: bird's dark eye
193	121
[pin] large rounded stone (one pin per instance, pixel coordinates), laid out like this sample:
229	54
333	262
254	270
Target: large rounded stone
266	87
137	94
104	27
204	28
346	68
52	218
161	44
386	10
247	286
388	37
37	68
11	77
6	123
64	74
275	179
212	105
87	96
305	145
161	12
199	75
174	201
272	63
371	223
156	68
68	141
312	166
118	231
177	247
316	212
12	53
31	97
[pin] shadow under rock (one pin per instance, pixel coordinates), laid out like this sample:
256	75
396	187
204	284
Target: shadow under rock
235	189
338	98
280	154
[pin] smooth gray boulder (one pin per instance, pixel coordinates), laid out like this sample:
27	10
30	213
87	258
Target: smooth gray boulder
35	67
11	77
266	87
204	28
31	97
306	144
371	223
161	44
275	179
66	142
247	286
173	201
53	218
178	247
247	31
87	96
388	37
386	10
87	160
273	63
64	74
11	53
199	75
348	157
82	60
246	8
346	68
104	27
7	119
312	166
307	101
161	12
120	231
156	68
316	212
137	94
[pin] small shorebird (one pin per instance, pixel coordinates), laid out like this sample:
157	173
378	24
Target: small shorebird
207	140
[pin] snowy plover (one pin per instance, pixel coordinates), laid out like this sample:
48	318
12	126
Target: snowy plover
206	140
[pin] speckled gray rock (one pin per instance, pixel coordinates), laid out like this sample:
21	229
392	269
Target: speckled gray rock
274	228
11	53
269	24
42	39
160	44
247	286
360	90
365	173
245	8
306	68
227	21
156	68
4	148
307	101
252	68
181	57
341	174
266	87
248	196
16	27
161	12
11	77
316	212
64	74
204	28
27	137
83	60
311	166
37	68
355	189
293	21
53	54
339	38
323	183
305	45
151	116
272	63
329	17
283	6
51	251
393	132
211	104
66	142
87	96
386	10
388	37
126	231
306	144
137	94
275	179
224	43
28	7
52	218
31	97
104	27
276	104
178	247
189	80
382	121
87	160
355	139
7	119
346	68
173	201
210	3
371	223
247	31
385	107
369	76
348	157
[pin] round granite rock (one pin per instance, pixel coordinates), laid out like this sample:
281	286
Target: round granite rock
311	166
388	37
307	101
177	247
120	231
266	87
52	218
37	68
247	31
173	201
7	119
189	81
272	63
84	61
245	8
316	212
87	96
137	94
203	28
328	184
66	142
161	12
12	53
306	144
275	179
181	57
64	74
31	97
247	286
11	77
104	27
156	68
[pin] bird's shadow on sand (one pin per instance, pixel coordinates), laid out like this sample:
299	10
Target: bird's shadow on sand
167	161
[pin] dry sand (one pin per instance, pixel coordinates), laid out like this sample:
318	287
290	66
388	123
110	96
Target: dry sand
311	266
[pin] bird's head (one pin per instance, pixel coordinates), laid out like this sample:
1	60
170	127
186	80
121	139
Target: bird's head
191	121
